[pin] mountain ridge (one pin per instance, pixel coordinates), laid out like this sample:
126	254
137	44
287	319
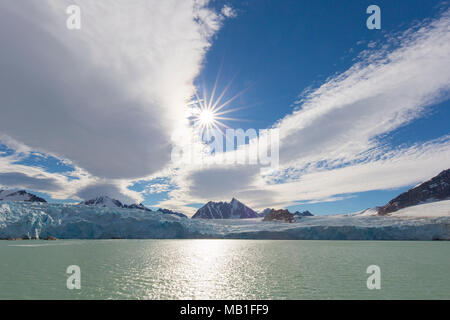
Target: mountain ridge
21	195
435	189
225	210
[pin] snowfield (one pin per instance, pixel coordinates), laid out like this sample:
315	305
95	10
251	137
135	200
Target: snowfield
432	209
32	220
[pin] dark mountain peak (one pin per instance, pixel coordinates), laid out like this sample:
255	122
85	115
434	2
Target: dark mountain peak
139	206
223	210
21	195
435	189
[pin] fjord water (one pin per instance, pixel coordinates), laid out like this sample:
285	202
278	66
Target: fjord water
224	269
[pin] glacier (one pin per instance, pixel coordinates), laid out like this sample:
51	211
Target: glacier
31	220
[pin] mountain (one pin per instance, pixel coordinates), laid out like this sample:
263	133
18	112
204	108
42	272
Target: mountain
296	213
223	210
438	188
303	214
107	202
265	212
104	202
139	206
167	211
279	215
284	215
22	195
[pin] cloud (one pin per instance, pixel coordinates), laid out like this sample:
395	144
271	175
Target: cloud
390	88
26	177
395	169
228	11
156	188
106	97
77	184
219	183
22	180
334	143
392	170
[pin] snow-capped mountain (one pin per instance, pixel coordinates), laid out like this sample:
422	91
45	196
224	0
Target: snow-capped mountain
139	206
104	202
224	210
167	211
107	202
303	214
22	195
435	189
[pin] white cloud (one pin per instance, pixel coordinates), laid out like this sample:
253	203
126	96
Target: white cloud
347	114
228	11
78	184
106	97
156	188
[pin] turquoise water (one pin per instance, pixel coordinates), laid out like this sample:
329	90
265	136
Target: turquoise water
224	269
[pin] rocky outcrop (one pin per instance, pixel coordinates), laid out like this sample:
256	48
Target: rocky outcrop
279	215
438	188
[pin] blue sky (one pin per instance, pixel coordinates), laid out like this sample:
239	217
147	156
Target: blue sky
275	53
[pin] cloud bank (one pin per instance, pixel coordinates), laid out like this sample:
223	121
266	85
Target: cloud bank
106	96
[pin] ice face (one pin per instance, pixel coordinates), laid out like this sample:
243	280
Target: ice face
31	220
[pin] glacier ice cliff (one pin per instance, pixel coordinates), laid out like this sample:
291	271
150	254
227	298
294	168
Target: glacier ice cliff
65	221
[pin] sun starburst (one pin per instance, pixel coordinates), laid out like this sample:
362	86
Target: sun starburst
208	114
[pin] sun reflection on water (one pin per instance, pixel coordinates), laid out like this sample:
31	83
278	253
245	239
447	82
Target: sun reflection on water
202	269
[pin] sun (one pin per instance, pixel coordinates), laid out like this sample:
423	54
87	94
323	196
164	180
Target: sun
207	114
206	117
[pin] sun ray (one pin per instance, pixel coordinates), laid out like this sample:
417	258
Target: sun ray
208	112
215	86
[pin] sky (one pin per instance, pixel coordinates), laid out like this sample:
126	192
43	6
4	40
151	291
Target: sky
362	115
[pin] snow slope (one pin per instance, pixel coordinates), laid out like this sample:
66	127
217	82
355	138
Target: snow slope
432	209
31	220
